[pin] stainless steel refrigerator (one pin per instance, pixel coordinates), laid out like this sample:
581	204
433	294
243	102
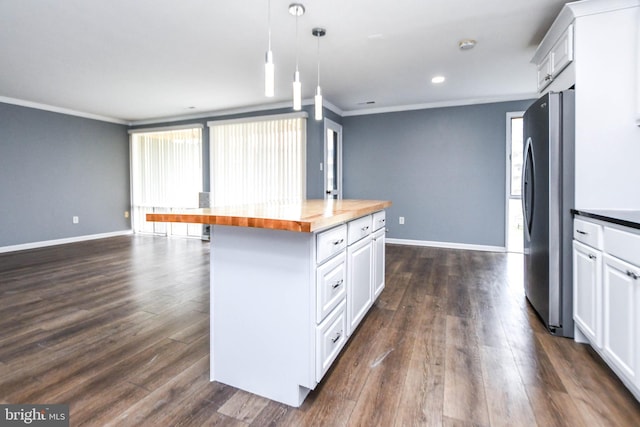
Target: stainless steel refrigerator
547	200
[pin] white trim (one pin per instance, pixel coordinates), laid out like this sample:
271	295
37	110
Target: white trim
447	245
53	109
337	110
296	115
329	106
220	113
166	128
337	128
455	103
510	115
45	243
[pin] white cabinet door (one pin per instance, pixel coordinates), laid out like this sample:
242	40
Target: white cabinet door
562	52
378	262
544	73
620	317
587	291
359	283
330	338
638	74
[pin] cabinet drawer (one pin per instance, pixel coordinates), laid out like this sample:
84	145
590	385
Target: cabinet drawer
588	233
359	228
331	285
330	242
330	338
379	220
622	244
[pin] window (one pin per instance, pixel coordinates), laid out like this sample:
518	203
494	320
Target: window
258	160
166	173
516	155
514	222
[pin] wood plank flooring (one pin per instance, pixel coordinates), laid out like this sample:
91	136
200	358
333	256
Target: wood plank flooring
118	329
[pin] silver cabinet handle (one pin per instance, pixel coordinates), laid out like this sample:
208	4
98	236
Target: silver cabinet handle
337	337
547	77
592	256
337	242
365	228
338	283
582	232
633	275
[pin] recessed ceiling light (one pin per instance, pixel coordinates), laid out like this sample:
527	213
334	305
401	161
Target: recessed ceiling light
438	80
466	44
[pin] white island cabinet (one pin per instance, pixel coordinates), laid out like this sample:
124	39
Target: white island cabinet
289	284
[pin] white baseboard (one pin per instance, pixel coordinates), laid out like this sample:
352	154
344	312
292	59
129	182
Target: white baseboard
447	245
46	243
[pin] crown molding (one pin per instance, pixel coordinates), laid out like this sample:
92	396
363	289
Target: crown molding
54	109
442	104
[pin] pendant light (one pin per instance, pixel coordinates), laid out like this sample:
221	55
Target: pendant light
297	9
269	69
318	32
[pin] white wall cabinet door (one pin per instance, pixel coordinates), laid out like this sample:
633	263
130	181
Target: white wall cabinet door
359	282
587	291
620	317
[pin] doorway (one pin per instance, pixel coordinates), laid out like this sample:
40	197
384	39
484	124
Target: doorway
332	160
514	222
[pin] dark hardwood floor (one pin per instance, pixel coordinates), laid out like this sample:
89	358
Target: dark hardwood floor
118	329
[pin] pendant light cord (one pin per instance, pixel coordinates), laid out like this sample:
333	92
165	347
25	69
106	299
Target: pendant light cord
318	37
269	22
297	42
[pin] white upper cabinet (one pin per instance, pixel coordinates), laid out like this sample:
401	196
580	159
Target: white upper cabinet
562	52
638	68
558	58
594	46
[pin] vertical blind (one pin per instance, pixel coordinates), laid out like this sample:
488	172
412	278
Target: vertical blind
259	161
166	173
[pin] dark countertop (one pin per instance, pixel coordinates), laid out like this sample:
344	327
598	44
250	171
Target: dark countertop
626	218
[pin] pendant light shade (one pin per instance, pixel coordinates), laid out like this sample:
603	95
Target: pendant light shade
269	69
297	91
318	104
297	9
318	32
269	75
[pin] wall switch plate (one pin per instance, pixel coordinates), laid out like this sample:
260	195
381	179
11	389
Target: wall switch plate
401	220
126	214
75	220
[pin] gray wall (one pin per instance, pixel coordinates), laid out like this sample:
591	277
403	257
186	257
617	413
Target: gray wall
443	169
54	166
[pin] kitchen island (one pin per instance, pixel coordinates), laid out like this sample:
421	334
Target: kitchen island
289	285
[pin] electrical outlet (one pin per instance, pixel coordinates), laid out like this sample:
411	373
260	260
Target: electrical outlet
75	220
401	220
126	214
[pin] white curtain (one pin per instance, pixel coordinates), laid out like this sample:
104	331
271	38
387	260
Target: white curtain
166	173
259	161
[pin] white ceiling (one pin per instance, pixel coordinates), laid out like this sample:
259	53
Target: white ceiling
144	60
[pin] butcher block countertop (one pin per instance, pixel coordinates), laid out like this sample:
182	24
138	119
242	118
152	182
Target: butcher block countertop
306	216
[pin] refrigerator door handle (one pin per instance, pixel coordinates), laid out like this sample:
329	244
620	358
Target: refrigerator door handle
527	180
